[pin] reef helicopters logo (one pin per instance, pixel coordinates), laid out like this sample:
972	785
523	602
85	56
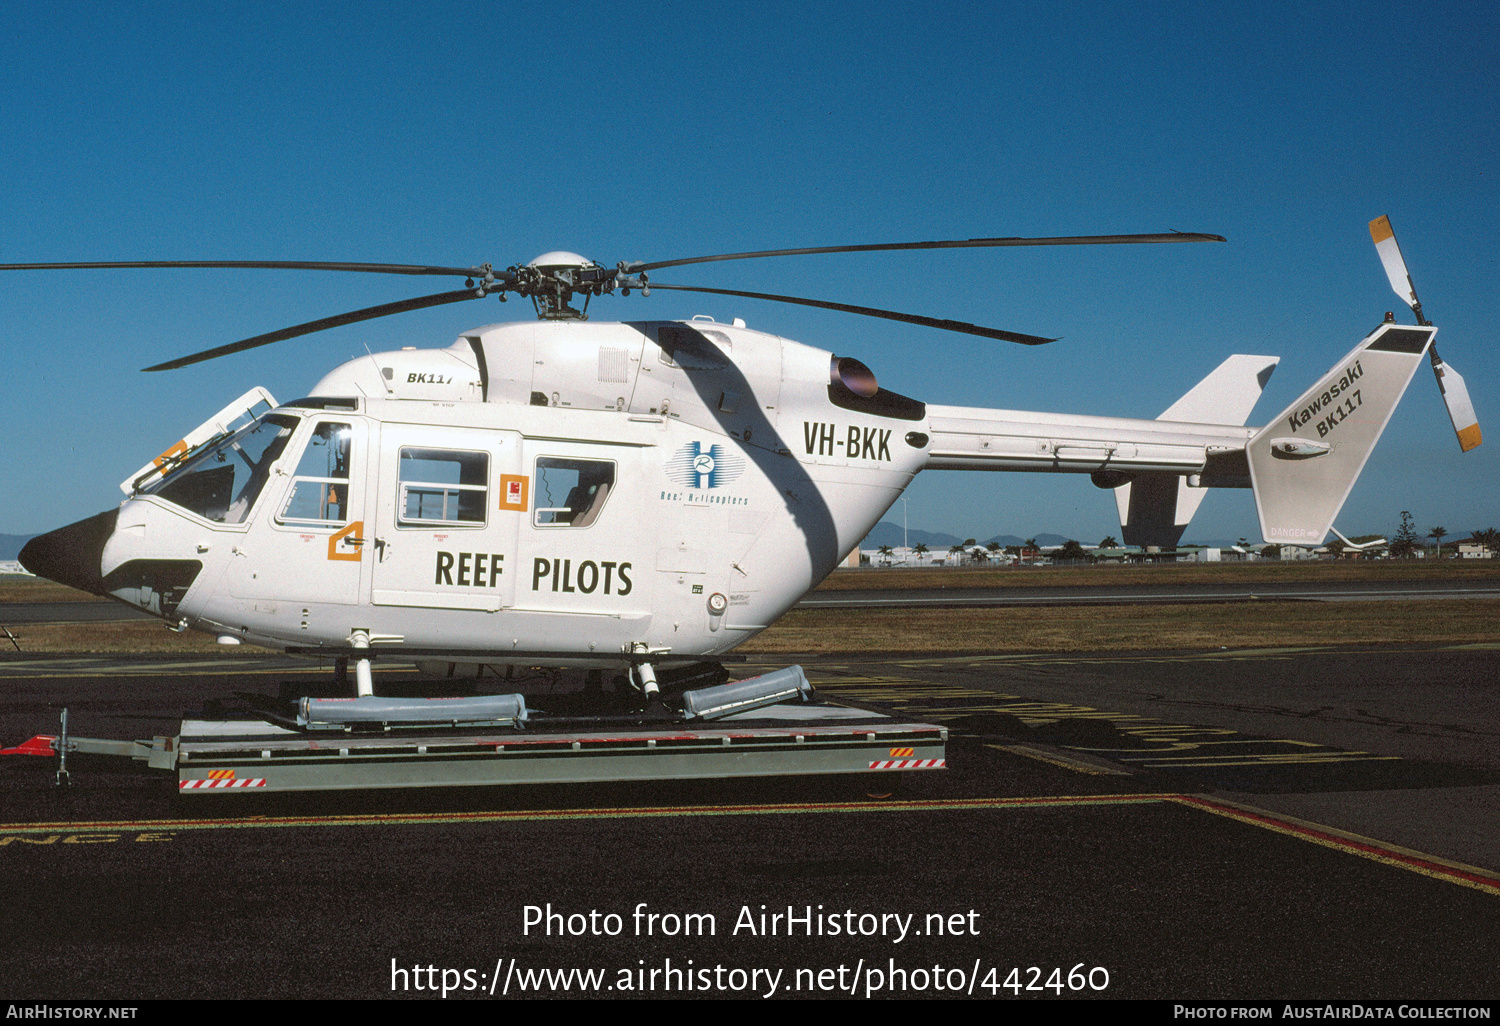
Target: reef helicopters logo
696	465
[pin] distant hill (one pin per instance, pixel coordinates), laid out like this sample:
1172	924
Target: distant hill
887	533
10	544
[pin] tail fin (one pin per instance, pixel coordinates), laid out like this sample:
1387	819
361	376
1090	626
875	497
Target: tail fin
1155	509
1304	463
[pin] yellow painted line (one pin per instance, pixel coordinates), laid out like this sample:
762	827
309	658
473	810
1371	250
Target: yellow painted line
1432	866
521	816
1034	713
1269	761
1076	765
1332	755
1350	843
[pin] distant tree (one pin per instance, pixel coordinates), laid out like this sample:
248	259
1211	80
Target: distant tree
1071	551
979	555
1033	544
956	552
1108	542
885	554
993	546
1337	548
1404	544
1271	552
968	542
1012	550
1489	538
1437	534
920	550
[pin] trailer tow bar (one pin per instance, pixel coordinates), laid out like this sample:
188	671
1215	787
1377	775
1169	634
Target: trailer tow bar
62	754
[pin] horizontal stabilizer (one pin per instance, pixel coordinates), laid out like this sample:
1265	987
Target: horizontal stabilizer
1155	509
1228	394
1304	463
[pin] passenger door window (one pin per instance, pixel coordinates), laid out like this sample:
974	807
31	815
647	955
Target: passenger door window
443	487
571	492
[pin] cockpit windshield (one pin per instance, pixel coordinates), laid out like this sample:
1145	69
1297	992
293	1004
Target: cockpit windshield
223	481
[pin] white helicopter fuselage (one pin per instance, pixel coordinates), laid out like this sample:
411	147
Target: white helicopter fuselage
710	526
563	489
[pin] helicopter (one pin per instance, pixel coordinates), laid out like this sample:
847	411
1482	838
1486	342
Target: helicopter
641	495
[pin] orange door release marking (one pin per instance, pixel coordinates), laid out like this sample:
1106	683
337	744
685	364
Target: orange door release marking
354	533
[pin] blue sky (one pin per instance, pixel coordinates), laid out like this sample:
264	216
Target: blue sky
455	134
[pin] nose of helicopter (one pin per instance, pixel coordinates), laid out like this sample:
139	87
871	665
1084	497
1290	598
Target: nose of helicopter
72	555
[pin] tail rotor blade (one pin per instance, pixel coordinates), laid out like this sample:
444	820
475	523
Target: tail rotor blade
1450	383
1460	408
1395	266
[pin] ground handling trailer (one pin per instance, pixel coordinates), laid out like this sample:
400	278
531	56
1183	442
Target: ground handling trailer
771	725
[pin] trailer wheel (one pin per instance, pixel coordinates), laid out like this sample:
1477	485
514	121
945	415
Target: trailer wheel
887	786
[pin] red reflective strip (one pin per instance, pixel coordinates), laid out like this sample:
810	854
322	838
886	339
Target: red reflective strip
190	785
39	745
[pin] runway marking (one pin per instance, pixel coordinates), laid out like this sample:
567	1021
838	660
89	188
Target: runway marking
1293	759
521	816
1431	866
1350	843
1058	759
1164	742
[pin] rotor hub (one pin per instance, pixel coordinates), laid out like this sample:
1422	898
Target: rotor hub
551	281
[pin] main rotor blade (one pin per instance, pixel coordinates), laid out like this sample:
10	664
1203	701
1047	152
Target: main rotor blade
1067	240
369	313
289	265
868	311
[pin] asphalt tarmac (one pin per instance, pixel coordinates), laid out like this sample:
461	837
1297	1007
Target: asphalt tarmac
1311	823
13	613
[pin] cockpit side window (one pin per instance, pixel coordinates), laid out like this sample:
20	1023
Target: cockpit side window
222	482
320	487
570	493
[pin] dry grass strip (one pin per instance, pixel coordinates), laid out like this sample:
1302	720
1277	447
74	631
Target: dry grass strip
1130	628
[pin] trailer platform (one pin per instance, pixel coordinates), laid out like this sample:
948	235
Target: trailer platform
224	756
265	758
